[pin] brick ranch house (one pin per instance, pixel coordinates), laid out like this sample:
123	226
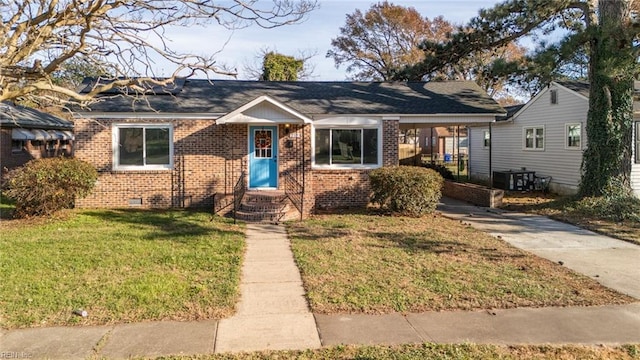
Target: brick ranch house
193	143
27	134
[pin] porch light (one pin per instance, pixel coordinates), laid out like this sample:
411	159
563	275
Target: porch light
287	128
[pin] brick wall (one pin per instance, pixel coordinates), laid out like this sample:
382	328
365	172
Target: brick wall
474	194
340	188
390	149
207	160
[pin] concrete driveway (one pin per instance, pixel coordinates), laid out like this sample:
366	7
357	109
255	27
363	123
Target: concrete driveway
613	263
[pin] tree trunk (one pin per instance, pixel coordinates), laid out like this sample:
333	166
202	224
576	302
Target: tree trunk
606	163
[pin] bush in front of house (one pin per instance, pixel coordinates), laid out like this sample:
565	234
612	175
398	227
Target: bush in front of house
44	186
409	190
441	169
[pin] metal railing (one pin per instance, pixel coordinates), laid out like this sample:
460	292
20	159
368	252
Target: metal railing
238	193
294	191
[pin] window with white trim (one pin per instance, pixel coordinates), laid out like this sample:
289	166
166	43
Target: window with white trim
142	146
534	138
573	136
486	138
345	147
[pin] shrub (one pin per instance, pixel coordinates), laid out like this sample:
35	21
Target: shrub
441	169
44	186
618	208
409	190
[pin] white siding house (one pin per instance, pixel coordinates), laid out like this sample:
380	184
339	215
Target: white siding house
547	135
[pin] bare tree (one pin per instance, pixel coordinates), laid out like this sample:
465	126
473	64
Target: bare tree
120	37
379	43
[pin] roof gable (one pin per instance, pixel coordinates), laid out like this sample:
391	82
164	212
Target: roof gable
263	109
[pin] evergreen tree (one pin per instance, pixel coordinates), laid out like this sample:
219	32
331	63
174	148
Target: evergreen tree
606	30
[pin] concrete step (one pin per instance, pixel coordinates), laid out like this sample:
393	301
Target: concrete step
266	206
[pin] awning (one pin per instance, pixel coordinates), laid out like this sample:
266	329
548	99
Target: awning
22	134
68	135
61	135
42	135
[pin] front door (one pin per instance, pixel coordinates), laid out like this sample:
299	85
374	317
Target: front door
263	157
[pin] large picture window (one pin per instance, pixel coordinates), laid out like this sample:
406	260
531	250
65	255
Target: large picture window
143	146
534	138
346	147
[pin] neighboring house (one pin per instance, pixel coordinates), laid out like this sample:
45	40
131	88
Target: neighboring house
193	143
27	134
547	135
440	141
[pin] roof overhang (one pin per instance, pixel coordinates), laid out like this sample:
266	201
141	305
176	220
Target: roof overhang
438	120
247	113
146	115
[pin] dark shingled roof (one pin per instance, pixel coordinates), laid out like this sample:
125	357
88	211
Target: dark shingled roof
19	116
511	110
310	98
581	87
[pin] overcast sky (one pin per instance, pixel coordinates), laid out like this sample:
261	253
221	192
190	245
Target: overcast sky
312	36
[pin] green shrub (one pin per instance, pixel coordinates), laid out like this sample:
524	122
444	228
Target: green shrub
44	186
441	169
409	190
618	208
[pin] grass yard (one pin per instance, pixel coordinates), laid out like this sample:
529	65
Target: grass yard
442	352
579	213
359	263
119	266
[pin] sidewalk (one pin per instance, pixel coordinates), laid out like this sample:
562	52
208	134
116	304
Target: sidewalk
273	313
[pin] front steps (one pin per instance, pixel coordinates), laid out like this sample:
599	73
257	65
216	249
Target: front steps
266	206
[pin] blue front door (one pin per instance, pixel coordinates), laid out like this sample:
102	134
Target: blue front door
263	157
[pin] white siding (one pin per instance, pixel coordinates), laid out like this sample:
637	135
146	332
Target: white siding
562	164
267	111
635	168
478	154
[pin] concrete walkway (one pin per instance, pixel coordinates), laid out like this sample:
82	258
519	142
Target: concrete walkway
273	313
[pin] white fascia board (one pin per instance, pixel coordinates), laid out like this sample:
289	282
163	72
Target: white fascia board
449	118
347	121
143	116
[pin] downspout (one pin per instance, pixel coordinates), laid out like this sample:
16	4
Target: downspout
490	156
431	142
415	145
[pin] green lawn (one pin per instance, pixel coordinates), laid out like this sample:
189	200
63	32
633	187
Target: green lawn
119	266
358	263
442	352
